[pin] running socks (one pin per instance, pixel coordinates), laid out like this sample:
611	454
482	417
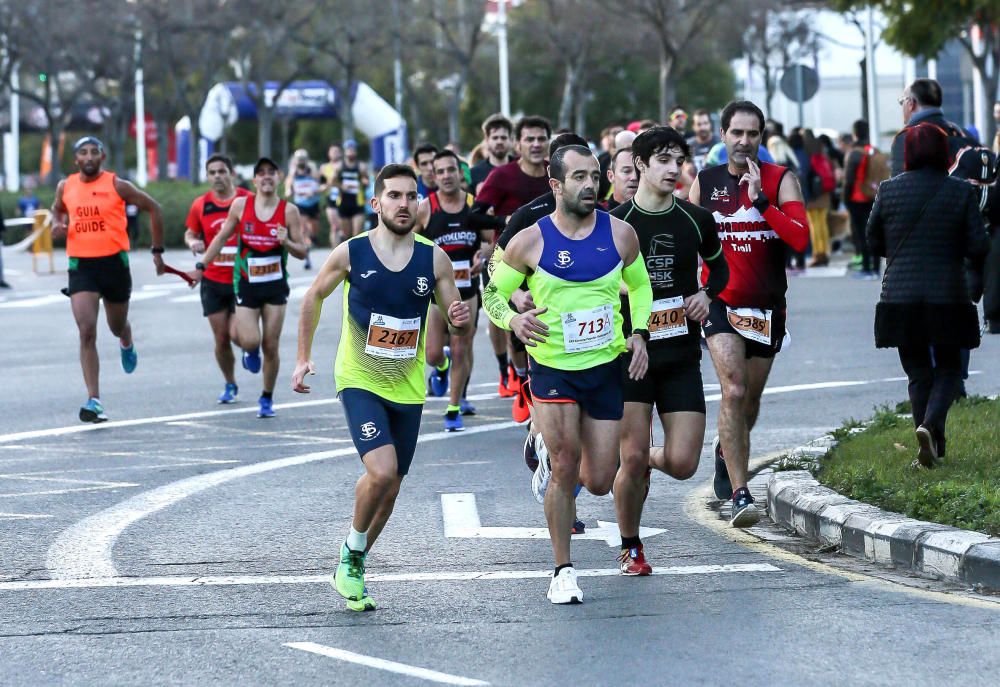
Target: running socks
269	395
453	409
357	541
630	542
502	364
560	567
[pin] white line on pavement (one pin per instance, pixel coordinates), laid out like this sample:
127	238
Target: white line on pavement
439	576
382	664
22	516
84	550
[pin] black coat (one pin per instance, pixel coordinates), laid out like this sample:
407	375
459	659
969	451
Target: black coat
924	297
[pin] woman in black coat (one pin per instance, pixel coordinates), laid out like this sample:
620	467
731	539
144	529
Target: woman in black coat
926	223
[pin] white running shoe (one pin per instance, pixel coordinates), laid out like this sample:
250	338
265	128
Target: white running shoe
543	473
563	588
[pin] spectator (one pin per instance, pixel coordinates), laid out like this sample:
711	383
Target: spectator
921	103
799	163
28	204
926	223
858	198
822	182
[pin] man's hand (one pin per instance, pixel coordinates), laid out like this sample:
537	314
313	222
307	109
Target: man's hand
196	275
640	359
282	235
752	179
59	225
459	313
158	261
477	264
528	328
197	246
522	300
696	306
298	377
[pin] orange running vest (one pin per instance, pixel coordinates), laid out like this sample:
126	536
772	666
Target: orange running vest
98	226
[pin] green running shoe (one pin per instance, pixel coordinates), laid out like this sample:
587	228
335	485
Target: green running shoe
349	580
366	603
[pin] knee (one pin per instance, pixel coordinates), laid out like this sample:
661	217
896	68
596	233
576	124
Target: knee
733	390
88	334
600	484
565	466
686	468
435	356
270	348
634	461
384	479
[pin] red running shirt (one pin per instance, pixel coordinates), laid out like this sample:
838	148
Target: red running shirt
206	217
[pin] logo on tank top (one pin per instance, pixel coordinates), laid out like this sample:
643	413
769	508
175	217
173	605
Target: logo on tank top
563	259
720	194
369	431
422	286
248	227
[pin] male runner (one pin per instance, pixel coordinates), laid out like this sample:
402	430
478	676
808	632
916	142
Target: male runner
497	133
329	177
304	190
267	229
351	181
423	159
390	275
759	211
507	188
623	177
678	120
672	233
575	260
218	301
703	139
442	217
89	209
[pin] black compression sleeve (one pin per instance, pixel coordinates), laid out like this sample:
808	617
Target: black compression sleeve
477	219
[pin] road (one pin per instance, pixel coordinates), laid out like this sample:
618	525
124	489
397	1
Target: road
184	543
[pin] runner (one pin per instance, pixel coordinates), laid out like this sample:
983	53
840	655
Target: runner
89	210
759	210
390	275
352	179
304	191
329	175
442	217
260	274
423	159
575	259
672	233
703	139
623	177
218	301
497	133
507	188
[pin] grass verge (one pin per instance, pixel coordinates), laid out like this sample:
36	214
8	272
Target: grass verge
873	465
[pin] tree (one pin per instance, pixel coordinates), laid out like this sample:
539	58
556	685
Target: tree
775	39
924	33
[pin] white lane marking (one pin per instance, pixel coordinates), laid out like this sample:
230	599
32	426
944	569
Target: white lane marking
461	521
84	550
91	485
382	664
817	385
74	471
242	431
32	302
441	576
23	516
76	429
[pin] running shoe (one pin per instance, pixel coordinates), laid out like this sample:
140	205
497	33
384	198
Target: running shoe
229	395
349	578
633	562
530	456
466	407
723	487
129	359
513	382
92	411
251	361
745	512
453	421
439	376
365	604
927	452
503	390
579	527
266	407
563	589
307	263
520	410
540	479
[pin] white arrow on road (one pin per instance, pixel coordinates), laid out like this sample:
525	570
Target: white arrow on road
461	521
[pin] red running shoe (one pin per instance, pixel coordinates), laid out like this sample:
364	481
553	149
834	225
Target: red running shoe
513	383
633	562
504	389
520	411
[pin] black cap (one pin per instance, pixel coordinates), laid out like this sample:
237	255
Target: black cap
976	164
93	140
265	161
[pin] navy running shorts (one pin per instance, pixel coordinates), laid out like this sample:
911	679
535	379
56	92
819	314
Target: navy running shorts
597	390
375	422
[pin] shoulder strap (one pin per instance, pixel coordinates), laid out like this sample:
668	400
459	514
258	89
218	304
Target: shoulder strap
434	202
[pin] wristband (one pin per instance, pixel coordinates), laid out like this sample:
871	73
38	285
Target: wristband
200	266
156	250
761	204
644	333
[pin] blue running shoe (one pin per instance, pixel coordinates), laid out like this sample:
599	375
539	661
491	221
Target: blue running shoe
266	407
229	395
439	377
92	411
466	407
129	359
453	420
745	513
251	361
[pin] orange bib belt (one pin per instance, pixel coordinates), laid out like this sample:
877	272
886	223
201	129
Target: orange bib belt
97	223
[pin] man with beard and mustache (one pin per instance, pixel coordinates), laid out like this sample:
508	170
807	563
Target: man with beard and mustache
89	209
390	274
623	177
497	132
575	260
260	272
672	233
218	300
759	211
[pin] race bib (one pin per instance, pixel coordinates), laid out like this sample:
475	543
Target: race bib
586	330
391	337
264	269
463	273
667	319
226	257
350	185
751	323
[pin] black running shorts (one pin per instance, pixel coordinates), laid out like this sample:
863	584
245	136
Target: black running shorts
718	322
673	387
108	276
256	296
217	297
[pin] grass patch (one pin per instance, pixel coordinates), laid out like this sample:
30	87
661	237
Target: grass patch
873	466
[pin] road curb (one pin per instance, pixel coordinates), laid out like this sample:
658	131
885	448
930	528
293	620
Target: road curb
796	501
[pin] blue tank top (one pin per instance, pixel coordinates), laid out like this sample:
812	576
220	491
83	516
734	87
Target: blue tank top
579	260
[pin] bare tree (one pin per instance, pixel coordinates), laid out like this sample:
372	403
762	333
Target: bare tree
777	38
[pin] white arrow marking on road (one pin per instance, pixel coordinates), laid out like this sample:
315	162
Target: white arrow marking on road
461	521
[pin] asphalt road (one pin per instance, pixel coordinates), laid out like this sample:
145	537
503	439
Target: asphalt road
185	543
